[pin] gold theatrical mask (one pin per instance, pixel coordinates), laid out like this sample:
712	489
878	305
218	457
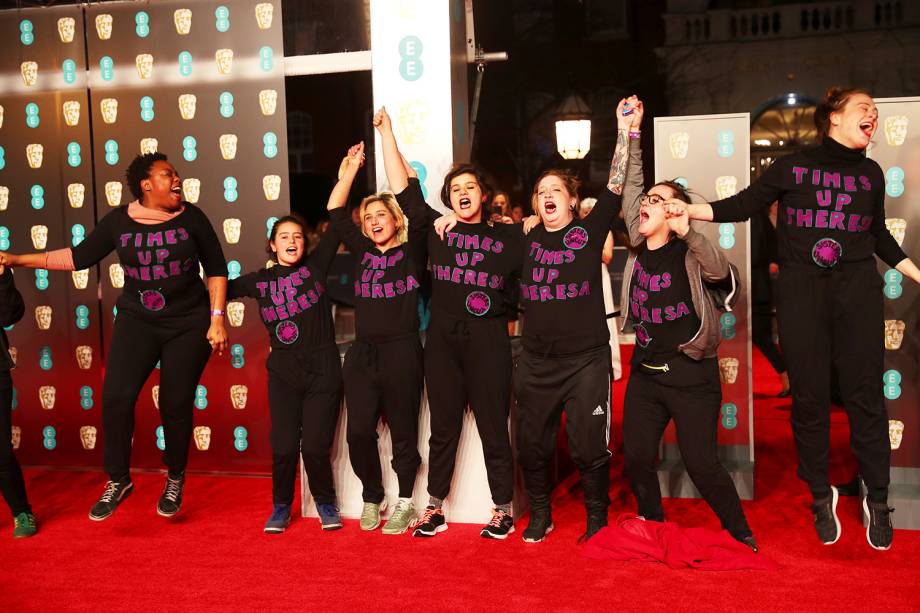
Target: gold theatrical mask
76	192
202	437
113	193
239	394
895	432
66	28
35	153
80	278
232	228
187	105
88	437
14	355
104	26
191	189
271	187
71	110
39	236
84	355
29	72
679	144
728	369
117	276
4	197
412	119
235	313
109	108
898	229
224	59
144	63
47	395
264	13
183	20
228	146
43	317
268	101
155	394
16	432
894	333
149	145
726	186
896	130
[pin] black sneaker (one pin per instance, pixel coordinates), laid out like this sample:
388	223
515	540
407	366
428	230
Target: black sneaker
115	492
826	522
500	527
171	498
879	532
595	523
541	524
750	542
431	523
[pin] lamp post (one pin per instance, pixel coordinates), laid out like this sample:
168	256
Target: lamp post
573	128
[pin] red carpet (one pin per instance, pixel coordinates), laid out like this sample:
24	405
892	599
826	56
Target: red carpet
213	556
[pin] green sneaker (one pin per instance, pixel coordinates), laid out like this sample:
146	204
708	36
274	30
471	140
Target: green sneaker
24	525
370	515
403	518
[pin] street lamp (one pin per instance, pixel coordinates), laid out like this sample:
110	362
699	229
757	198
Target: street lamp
573	128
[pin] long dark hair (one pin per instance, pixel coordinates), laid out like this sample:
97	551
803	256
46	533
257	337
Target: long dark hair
834	100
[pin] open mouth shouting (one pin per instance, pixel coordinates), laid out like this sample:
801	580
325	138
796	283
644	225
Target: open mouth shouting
868	127
465	202
549	207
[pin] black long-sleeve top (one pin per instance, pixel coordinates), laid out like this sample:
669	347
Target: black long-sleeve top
387	283
160	263
832	207
11	311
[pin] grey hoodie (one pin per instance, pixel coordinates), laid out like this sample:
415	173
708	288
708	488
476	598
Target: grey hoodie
714	283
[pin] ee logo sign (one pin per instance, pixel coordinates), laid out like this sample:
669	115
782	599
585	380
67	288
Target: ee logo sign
411	66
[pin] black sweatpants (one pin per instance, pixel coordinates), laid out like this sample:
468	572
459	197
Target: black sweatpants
387	376
12	484
304	396
692	399
579	385
835	319
469	361
133	353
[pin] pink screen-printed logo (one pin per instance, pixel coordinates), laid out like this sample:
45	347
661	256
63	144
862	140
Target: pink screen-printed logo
478	303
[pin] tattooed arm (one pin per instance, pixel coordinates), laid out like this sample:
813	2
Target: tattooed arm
617	175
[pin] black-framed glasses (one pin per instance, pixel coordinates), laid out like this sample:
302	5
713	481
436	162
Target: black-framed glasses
652	199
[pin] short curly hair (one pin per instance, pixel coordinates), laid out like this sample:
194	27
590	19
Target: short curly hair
139	169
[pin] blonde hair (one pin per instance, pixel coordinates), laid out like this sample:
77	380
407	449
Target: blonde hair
389	202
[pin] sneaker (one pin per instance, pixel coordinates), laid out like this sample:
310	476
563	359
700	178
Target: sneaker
750	542
500	527
370	514
171	498
878	517
827	524
279	520
24	525
403	518
329	516
541	524
115	492
431	523
595	523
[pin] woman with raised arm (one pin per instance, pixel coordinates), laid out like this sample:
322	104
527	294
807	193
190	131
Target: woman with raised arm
831	221
162	316
467	348
675	287
304	367
383	367
565	365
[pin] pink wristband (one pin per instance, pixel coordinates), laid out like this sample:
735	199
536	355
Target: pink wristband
635	134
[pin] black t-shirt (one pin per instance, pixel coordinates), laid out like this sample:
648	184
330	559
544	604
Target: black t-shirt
387	283
832	207
561	283
292	300
160	263
473	269
661	304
